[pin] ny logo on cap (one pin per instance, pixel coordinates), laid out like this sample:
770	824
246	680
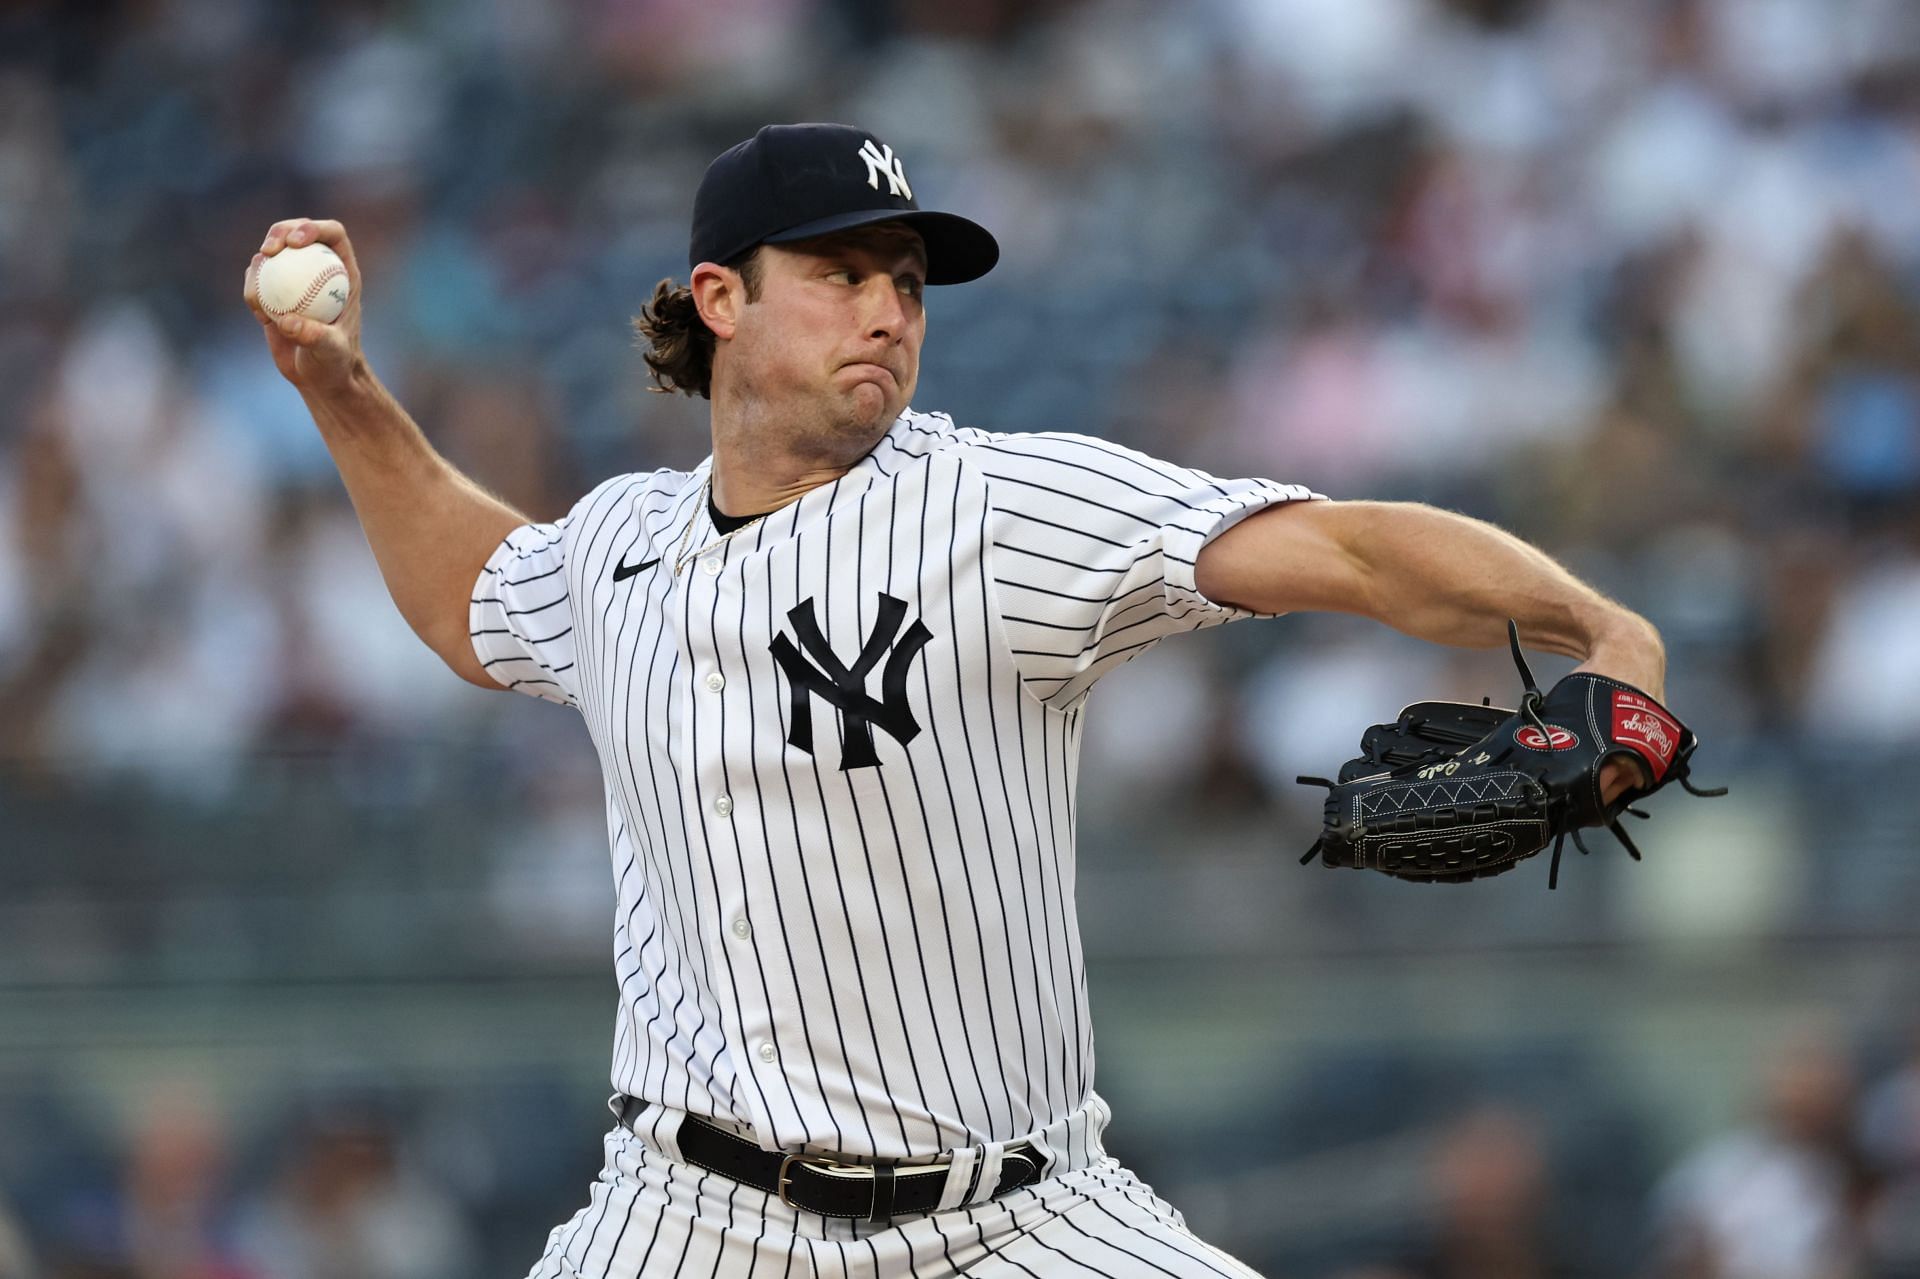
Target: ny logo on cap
883	163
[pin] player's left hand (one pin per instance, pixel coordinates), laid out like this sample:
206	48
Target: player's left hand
1618	776
1454	791
1631	654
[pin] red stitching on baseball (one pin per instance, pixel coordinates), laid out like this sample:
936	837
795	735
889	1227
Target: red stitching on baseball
313	290
318	282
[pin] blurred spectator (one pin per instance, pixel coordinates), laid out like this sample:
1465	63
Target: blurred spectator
1491	1183
1781	1197
1855	691
176	1193
346	1203
15	1261
1889	1133
1491	1201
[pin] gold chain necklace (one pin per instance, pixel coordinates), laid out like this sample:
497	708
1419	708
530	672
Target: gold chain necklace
681	557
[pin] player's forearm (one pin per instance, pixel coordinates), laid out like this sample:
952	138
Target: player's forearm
431	528
1433	574
1451	579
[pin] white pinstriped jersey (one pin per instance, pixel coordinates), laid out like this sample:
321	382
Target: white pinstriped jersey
840	751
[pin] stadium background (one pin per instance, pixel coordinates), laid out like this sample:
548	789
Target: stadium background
303	942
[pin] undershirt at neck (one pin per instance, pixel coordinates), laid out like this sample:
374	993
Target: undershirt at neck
724	523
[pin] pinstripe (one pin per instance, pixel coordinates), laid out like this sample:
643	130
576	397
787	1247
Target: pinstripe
592	704
697	977
906	882
663	870
1055	559
806	880
1070	496
840	880
606	1201
1033	1236
1006	584
653	1236
779	898
866	852
1027	518
972	1056
1067	1221
1038	901
1106	639
1069	775
642	985
1066	962
1024	1118
995	1252
1113	452
953	807
1025	900
1160	1239
626	1223
686	1245
720	1252
1130	1193
719	911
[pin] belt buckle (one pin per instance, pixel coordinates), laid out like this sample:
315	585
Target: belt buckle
784	1178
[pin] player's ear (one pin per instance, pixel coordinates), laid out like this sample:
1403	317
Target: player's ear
718	294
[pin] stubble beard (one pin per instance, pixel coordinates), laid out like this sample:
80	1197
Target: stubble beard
842	430
830	427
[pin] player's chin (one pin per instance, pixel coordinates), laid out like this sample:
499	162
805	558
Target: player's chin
872	405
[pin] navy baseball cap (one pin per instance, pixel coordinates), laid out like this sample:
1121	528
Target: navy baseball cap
796	181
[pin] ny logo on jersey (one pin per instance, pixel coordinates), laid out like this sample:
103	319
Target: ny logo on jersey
845	687
883	163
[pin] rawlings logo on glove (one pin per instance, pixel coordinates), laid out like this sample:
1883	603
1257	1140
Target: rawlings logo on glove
1453	792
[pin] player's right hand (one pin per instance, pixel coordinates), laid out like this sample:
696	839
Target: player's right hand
317	358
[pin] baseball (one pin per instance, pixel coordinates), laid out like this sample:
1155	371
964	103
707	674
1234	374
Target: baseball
309	280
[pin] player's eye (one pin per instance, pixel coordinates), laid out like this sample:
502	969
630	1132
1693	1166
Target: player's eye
842	275
912	285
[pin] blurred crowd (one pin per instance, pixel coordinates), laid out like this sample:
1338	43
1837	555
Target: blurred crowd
1639	280
1635	279
1821	1182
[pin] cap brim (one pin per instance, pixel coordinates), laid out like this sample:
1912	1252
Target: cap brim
957	250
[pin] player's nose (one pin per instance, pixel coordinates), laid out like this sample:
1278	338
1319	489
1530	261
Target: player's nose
884	307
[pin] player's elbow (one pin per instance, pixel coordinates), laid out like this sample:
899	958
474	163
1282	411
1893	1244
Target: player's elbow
471	671
452	644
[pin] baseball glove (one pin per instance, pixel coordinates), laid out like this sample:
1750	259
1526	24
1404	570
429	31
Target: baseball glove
1454	792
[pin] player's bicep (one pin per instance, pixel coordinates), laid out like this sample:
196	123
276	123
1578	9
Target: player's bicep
462	661
1295	558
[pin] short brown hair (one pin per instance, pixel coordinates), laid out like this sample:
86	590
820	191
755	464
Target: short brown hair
677	344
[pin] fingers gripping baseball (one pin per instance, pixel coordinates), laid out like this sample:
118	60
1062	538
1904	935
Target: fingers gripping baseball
308	302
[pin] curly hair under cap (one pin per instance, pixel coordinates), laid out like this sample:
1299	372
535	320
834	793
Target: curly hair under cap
676	343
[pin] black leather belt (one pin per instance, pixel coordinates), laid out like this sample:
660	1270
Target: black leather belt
870	1192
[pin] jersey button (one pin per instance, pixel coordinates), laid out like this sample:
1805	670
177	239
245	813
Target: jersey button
767	1053
742	929
716	682
723	805
710	567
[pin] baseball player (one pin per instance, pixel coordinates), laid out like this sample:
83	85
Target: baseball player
836	676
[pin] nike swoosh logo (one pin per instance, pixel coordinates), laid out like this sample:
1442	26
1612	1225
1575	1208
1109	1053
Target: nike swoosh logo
621	572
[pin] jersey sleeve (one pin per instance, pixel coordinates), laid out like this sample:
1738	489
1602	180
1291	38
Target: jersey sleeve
521	614
1092	549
